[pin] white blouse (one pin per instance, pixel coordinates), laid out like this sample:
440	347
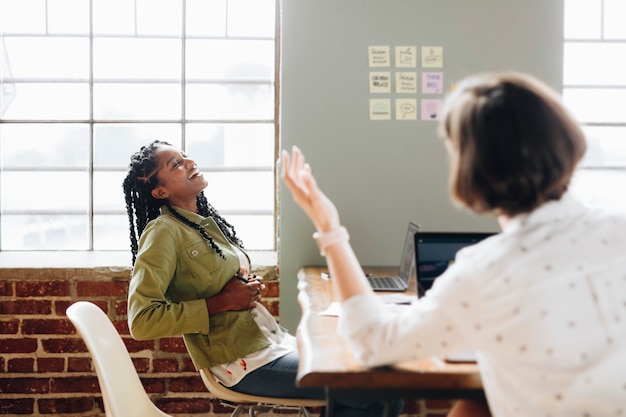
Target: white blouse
543	303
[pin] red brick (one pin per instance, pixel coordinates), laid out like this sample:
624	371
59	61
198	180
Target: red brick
142	365
122	327
9	326
190	384
51	364
411	406
188	365
154	385
24	385
79	365
22	307
272	289
6	289
121	308
74	384
17	406
165	365
134	346
42	289
66	405
47	326
21	365
67	345
101	288
22	345
172	345
184	405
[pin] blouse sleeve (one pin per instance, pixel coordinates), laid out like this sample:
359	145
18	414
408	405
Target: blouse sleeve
150	314
380	335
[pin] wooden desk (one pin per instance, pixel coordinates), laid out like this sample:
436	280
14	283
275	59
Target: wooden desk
325	360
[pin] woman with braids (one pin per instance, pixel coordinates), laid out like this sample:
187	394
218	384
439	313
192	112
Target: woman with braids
191	277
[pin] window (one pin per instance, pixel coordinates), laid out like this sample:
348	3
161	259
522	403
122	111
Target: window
86	83
594	78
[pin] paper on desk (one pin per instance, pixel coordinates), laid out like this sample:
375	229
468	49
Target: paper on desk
398	300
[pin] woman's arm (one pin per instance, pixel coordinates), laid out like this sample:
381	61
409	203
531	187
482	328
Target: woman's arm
349	279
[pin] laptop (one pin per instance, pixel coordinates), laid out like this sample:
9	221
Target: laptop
407	263
434	252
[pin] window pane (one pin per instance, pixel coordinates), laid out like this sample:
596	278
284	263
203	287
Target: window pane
594	64
48	58
207	18
111	232
597	105
230	101
115	143
44	145
234	191
606	146
234	145
583	19
614	17
251	18
113	17
45	232
108	195
145	59
43	102
60	21
230	59
46	191
256	232
598	187
136	101
23	16
159	17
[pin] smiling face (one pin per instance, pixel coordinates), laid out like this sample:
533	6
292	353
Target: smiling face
179	179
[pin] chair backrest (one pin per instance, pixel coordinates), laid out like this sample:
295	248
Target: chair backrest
122	391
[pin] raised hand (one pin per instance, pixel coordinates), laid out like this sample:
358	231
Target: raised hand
297	175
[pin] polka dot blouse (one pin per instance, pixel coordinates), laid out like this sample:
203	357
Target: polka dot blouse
543	303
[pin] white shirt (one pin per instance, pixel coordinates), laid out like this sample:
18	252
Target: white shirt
543	303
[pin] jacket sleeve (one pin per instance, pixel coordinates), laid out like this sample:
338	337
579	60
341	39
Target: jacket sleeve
150	314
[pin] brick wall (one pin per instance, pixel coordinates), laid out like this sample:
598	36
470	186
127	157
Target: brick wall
45	369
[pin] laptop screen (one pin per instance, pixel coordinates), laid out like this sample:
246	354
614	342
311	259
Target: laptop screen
435	251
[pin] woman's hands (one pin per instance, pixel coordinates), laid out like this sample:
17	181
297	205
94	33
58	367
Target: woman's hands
297	175
240	293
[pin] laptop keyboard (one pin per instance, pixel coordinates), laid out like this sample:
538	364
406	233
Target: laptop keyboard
383	282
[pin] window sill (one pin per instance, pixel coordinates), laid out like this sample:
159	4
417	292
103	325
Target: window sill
94	259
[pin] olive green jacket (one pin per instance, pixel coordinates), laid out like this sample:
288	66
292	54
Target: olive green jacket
175	270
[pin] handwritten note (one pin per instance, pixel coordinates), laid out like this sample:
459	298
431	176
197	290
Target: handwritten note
406	56
431	109
379	56
432	56
432	82
380	82
406	109
406	82
380	109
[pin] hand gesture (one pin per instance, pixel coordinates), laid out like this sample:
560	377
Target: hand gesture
297	175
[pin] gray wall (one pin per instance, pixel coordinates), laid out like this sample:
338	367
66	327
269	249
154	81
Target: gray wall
381	174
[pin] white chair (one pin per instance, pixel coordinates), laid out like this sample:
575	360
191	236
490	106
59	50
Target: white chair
255	403
122	392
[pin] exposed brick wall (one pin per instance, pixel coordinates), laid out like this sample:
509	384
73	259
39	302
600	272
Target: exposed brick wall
45	368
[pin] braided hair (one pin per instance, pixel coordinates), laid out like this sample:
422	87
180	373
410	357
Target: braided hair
142	206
